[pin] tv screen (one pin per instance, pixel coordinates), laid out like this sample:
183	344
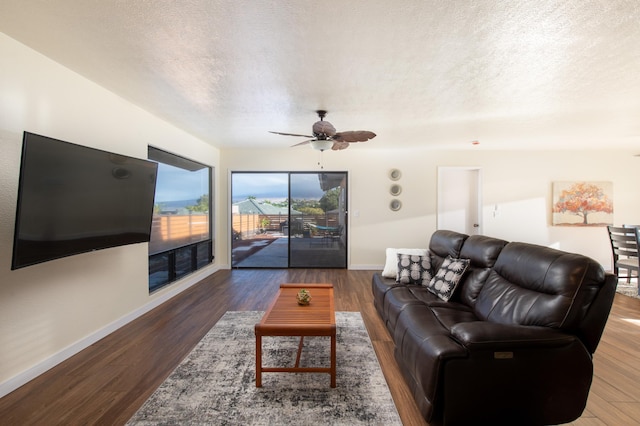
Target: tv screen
73	199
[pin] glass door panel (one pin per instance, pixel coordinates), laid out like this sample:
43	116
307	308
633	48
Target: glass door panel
259	217
318	220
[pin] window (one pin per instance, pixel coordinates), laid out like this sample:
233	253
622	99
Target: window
181	233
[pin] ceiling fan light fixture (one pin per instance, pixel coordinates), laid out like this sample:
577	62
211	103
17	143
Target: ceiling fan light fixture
321	145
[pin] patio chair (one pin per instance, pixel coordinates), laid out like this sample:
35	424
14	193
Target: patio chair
335	234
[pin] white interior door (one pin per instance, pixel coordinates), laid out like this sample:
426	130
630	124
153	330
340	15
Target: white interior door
459	199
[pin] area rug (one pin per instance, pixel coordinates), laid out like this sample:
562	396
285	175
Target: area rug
628	289
215	383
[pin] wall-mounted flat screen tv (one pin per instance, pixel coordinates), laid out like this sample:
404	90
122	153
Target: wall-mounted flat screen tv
74	199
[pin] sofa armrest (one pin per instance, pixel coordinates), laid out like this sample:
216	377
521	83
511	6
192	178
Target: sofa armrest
485	335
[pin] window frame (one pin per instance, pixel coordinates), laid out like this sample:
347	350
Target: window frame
199	253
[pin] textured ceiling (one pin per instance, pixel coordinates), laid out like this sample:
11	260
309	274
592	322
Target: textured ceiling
530	74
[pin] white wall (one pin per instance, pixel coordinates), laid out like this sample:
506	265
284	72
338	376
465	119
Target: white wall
518	182
49	311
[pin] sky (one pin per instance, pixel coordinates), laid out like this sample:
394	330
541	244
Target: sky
274	186
176	184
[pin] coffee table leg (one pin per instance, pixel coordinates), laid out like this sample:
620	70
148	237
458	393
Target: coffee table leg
258	360
333	361
300	345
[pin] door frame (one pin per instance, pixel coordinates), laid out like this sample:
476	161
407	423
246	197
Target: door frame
446	185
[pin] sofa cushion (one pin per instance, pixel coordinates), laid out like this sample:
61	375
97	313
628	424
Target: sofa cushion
539	286
445	281
380	286
391	260
483	252
414	269
445	243
425	296
397	299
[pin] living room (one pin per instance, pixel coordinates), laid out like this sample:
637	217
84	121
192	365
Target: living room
53	310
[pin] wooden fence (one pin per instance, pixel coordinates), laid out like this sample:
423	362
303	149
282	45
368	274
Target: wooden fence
170	231
246	225
249	225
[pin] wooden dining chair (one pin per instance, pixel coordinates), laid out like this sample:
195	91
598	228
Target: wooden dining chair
624	245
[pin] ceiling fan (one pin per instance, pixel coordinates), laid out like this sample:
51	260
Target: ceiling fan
325	135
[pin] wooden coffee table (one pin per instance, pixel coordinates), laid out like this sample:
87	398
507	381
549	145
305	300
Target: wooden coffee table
286	318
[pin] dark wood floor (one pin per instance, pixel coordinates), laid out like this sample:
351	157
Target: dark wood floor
107	382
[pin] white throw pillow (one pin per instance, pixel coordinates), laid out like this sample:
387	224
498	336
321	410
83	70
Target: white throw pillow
391	264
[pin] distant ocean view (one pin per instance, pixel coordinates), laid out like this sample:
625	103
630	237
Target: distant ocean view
261	199
177	204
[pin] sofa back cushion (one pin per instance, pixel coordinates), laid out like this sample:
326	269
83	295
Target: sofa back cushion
445	243
483	252
539	286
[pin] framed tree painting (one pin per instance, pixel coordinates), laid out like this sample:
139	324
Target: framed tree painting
582	203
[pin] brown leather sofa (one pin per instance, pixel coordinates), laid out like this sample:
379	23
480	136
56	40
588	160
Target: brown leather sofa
513	345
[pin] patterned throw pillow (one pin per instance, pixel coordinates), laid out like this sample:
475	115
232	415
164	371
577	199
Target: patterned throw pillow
414	269
391	261
444	283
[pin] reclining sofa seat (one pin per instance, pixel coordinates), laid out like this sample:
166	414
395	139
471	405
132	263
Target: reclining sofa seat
514	345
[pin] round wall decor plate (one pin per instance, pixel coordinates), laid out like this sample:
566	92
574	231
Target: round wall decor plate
395	205
395	174
395	189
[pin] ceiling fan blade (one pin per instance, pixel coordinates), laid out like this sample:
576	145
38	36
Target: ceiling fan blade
291	134
337	146
354	136
304	142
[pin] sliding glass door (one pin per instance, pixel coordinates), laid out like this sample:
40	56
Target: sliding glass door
289	219
318	220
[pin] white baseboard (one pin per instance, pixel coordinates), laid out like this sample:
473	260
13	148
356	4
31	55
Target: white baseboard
366	267
26	376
